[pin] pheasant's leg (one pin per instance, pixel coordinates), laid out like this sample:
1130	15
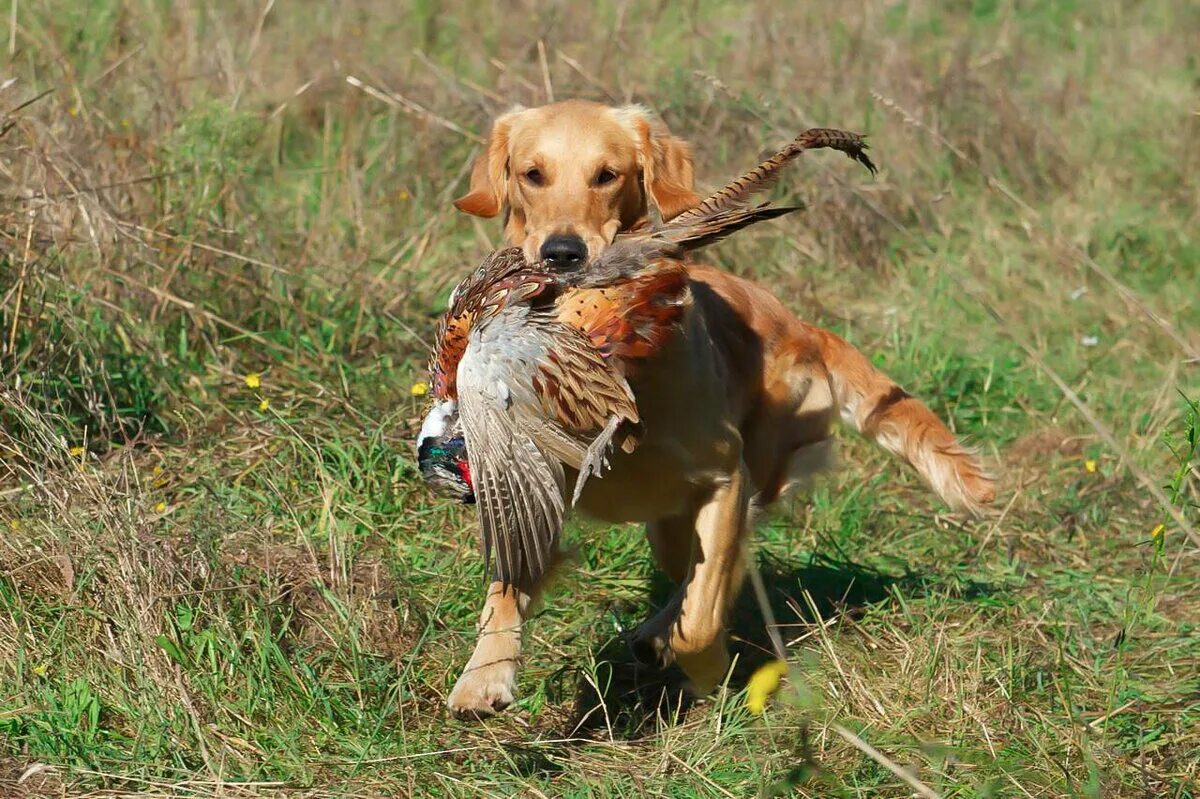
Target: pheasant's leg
691	630
490	677
595	458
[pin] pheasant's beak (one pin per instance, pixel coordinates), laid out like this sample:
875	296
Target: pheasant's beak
442	454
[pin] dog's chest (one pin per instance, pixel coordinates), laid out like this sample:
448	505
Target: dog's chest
691	436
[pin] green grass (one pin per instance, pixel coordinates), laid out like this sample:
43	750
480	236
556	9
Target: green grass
202	594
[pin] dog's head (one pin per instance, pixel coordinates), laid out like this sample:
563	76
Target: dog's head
571	175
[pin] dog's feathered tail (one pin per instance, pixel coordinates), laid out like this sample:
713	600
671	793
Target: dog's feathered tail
879	409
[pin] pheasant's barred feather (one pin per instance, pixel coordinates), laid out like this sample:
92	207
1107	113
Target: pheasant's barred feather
578	388
719	224
738	193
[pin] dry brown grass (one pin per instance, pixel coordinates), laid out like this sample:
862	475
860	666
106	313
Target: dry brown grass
265	601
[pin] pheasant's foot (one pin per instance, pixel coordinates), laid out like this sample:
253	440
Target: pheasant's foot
595	457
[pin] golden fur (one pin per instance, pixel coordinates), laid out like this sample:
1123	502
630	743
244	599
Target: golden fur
737	406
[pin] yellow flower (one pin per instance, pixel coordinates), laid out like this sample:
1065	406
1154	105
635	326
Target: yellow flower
156	470
160	507
1090	465
402	195
15	524
419	389
763	683
1157	533
41	669
266	403
76	452
253	380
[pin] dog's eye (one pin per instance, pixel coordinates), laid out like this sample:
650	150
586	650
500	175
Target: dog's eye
535	176
604	176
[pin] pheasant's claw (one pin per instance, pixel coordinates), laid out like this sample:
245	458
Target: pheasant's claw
595	457
594	463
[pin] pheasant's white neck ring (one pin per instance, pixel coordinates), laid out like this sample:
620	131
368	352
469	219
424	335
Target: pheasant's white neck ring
437	420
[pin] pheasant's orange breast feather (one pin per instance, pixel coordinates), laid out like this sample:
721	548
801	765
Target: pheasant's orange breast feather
632	319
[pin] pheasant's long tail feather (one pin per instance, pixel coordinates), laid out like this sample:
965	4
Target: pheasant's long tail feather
739	192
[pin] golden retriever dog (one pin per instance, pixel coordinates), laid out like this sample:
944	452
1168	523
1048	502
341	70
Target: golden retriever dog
738	405
570	175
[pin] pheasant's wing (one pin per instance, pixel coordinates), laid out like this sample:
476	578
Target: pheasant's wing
502	279
534	395
586	404
519	488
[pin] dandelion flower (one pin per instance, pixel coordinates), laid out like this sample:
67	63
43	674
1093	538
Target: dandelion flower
253	380
40	669
262	406
76	452
1090	465
763	683
160	507
419	389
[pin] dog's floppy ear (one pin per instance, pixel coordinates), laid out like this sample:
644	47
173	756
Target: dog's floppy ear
489	175
666	162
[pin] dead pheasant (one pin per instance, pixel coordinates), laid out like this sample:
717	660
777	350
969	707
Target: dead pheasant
531	364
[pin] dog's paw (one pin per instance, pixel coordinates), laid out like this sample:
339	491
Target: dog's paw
483	691
704	669
651	641
703	657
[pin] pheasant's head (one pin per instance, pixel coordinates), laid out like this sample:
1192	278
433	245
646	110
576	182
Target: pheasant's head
442	454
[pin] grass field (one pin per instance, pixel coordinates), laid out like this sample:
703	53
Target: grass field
220	265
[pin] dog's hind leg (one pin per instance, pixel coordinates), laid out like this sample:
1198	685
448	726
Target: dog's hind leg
671	543
690	631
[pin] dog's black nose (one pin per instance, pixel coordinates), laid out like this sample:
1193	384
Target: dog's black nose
563	252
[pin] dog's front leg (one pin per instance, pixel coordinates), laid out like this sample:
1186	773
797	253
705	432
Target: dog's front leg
691	629
487	683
